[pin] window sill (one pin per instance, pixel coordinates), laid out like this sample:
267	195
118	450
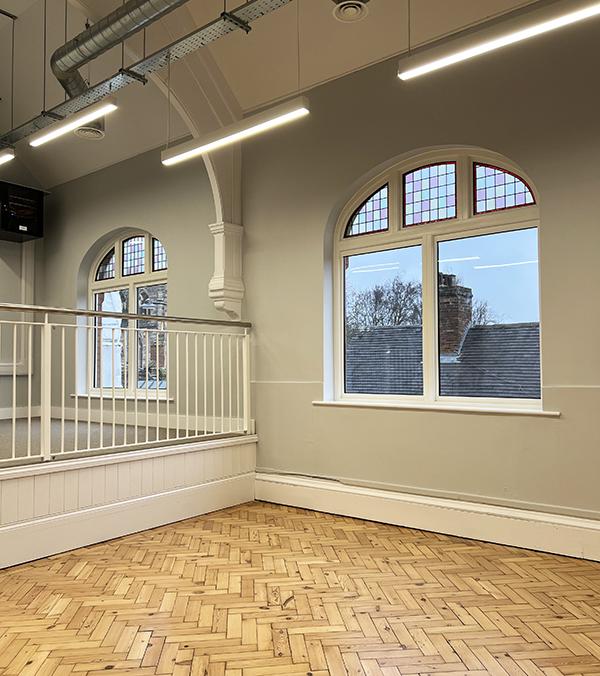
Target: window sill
486	410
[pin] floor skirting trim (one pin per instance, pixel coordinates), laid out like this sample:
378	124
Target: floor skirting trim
539	531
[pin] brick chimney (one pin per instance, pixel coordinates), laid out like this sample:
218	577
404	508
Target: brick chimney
455	310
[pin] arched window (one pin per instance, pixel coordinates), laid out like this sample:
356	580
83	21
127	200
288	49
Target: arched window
440	304
130	276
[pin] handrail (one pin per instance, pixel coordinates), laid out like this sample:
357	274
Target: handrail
14	307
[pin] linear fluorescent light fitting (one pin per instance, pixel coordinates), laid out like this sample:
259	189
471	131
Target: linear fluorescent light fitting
99	109
6	155
502	41
285	112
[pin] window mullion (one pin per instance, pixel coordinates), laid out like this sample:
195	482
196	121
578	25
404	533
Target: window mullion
429	314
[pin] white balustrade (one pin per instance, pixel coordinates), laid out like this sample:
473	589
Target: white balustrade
83	382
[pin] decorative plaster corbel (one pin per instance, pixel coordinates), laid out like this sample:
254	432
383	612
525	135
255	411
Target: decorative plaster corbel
226	288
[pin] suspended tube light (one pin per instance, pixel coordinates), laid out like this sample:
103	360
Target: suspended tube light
72	122
490	39
6	155
286	112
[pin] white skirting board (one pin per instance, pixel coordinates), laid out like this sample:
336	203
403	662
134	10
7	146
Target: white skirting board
539	531
26	541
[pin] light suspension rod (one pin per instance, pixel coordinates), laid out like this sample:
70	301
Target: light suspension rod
522	28
57	129
285	112
6	155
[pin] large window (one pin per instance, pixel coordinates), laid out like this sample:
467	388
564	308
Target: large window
440	303
130	277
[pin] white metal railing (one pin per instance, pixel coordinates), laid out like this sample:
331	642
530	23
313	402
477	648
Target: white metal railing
77	381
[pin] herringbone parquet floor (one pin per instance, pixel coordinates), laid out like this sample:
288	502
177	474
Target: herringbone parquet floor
261	590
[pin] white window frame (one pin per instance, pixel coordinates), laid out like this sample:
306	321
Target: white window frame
466	223
117	283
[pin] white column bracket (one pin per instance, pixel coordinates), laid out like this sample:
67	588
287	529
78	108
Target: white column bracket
226	288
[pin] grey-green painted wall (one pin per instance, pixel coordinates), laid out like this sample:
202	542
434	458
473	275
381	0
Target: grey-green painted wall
536	103
174	204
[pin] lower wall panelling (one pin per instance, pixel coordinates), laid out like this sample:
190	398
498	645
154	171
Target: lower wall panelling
54	507
539	531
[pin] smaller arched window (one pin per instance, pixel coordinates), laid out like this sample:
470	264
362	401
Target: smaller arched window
130	276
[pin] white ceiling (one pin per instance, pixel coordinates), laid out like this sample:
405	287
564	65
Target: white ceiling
294	48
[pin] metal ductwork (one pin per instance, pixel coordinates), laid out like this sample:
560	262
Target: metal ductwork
110	31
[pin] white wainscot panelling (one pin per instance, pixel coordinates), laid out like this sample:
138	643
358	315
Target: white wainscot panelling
54	507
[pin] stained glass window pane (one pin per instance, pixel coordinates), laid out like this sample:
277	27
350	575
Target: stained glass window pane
134	255
496	189
371	216
159	257
106	269
430	194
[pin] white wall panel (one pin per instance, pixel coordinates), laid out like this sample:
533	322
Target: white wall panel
69	497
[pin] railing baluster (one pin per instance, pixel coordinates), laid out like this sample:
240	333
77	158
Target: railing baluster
214	392
146	332
222	386
14	393
76	440
205	386
92	332
246	371
157	388
186	384
177	390
196	377
101	385
229	374
125	347
113	392
237	383
29	385
46	395
62	390
168	377
136	334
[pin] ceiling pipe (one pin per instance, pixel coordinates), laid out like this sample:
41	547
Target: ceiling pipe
110	31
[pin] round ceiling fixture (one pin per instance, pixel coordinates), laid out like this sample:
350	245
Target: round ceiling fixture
92	131
349	11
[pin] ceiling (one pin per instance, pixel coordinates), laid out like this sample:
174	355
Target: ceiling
292	49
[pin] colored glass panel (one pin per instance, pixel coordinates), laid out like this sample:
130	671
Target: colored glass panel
371	215
106	269
496	190
134	256
159	256
430	194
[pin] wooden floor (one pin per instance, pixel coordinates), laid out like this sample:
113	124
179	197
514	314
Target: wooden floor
260	590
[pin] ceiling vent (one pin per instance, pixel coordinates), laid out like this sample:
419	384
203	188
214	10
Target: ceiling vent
350	11
92	131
